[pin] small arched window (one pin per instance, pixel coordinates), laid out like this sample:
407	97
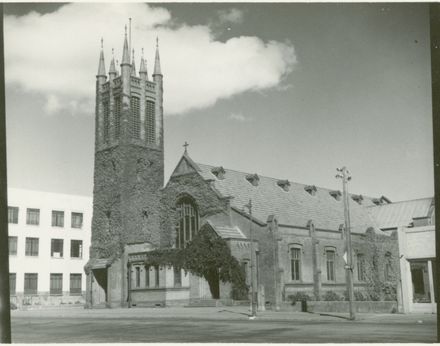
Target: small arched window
188	222
388	267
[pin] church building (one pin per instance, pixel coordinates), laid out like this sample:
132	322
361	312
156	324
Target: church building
296	231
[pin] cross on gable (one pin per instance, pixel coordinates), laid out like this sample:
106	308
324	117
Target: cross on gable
186	147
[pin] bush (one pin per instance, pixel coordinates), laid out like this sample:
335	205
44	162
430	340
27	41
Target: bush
298	297
331	296
13	306
359	296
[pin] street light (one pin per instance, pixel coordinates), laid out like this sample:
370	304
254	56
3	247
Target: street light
344	174
253	294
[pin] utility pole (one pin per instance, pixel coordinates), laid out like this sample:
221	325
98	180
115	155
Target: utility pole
344	174
254	294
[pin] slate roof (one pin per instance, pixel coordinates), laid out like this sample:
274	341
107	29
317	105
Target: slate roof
294	207
401	213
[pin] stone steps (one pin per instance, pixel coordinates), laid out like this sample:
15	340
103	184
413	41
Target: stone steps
204	303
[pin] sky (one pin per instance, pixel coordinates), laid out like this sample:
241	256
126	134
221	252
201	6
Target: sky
291	91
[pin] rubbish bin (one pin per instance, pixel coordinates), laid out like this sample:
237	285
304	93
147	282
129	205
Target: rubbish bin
303	305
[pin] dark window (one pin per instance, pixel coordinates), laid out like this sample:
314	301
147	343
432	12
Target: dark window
245	268
177	277
188	224
388	267
56	248
138	276
13	214
295	263
77	220
12	281
361	267
150	122
32	216
117	117
56	283
75	283
106	121
135	117
156	271
57	218
147	276
30	283
12	245
31	247
76	248
330	254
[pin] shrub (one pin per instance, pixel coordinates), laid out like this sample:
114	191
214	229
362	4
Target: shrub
298	297
359	296
331	296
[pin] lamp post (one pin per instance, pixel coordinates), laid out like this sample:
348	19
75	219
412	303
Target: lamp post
251	235
344	174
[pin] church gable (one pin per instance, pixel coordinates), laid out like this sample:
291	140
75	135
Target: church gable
185	166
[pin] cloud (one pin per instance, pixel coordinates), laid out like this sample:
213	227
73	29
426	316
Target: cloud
56	55
240	117
232	15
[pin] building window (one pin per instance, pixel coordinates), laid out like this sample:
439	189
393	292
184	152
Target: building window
32	216
388	267
12	281
76	248
330	255
75	284
147	276
30	283
245	269
77	220
137	277
135	117
150	122
12	245
360	267
106	107
57	218
156	272
56	248
56	283
177	277
117	117
295	263
12	214
31	247
188	222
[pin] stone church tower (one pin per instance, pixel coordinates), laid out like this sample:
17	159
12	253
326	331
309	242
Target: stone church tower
129	156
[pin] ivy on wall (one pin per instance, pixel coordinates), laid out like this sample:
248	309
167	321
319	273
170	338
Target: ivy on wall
207	256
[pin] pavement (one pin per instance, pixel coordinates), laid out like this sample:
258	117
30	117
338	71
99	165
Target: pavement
215	324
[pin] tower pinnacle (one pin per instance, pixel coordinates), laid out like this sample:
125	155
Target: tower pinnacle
143	66
112	64
125	52
133	66
101	67
157	70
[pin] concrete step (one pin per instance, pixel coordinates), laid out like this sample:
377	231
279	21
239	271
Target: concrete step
204	303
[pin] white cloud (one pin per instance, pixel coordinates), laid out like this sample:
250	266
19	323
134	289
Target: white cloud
232	15
56	54
240	117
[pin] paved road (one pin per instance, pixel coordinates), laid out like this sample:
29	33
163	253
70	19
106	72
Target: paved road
213	325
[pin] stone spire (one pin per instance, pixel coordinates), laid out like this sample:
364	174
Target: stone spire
133	66
101	67
125	52
157	70
143	67
112	69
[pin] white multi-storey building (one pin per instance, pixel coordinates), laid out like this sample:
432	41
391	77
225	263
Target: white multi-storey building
49	240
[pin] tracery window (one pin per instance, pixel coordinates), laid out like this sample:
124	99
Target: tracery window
360	267
150	122
388	267
135	117
330	256
188	223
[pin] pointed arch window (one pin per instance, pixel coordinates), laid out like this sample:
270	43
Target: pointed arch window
150	122
188	223
106	121
135	117
117	117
